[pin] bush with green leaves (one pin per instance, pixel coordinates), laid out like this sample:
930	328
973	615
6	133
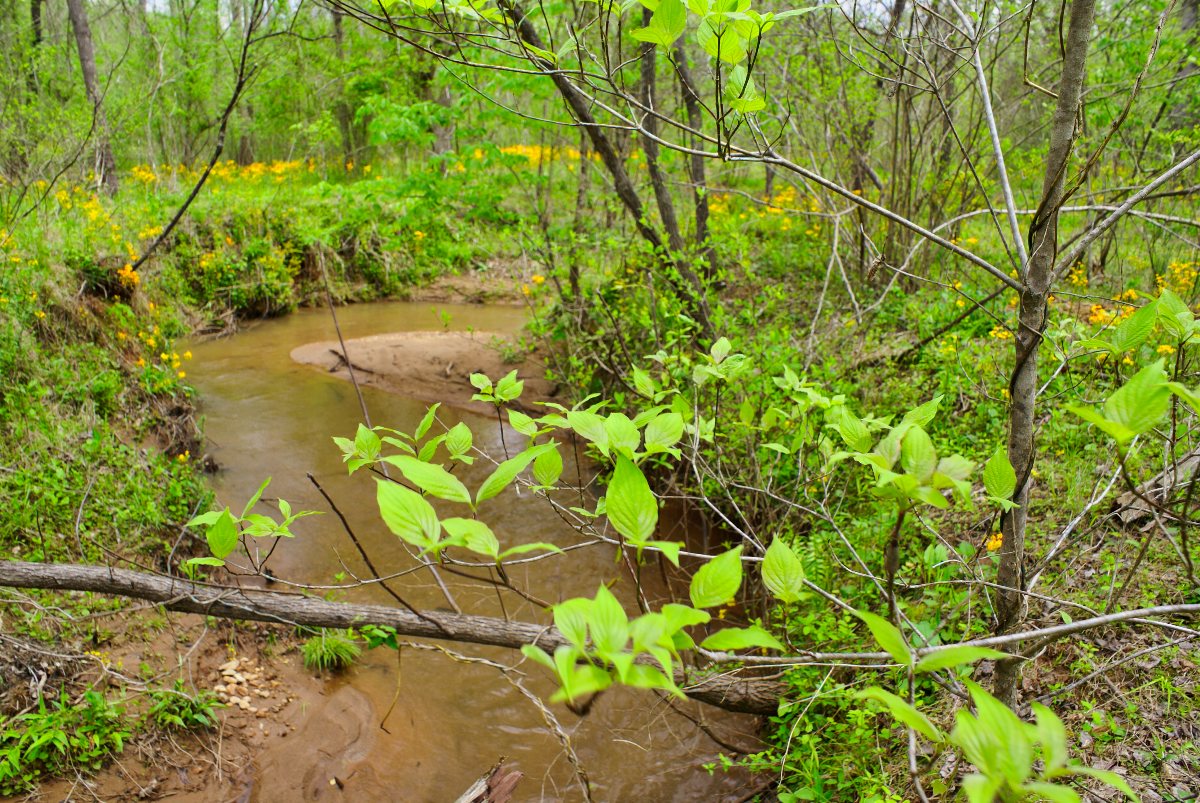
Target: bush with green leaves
177	708
61	737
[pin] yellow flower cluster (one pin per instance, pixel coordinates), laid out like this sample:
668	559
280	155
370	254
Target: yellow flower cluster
128	276
1078	276
995	541
1180	278
536	154
1000	332
1099	315
143	173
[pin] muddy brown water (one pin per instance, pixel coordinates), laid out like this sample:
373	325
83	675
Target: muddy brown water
266	416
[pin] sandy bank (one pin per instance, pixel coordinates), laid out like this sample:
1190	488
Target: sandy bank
428	366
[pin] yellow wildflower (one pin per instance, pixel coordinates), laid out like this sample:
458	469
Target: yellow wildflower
538	278
187	355
39	315
1165	348
995	542
141	363
1000	332
183	374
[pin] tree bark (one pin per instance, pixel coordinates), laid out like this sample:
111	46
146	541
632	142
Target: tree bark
745	695
106	167
1011	603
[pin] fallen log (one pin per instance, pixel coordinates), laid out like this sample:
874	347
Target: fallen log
744	695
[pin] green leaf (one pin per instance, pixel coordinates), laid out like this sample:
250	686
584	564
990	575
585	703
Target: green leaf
509	387
888	637
680	616
852	429
917	454
1051	792
608	623
426	422
904	712
222	535
740	638
257	495
1052	735
1142	401
725	45
643	676
538	546
720	350
1190	397
1175	316
366	442
571	618
507	471
782	571
921	416
1133	331
206	518
630	504
590	427
663	432
1118	432
644	383
667	24
431	478
522	423
204	562
474	535
670	549
954	656
548	466
999	478
717	581
407	514
1106	777
623	436
458	439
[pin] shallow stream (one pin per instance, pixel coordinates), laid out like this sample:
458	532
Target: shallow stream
446	721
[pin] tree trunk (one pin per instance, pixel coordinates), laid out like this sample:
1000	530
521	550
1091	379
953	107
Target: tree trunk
1184	114
695	120
35	24
106	167
341	109
581	195
751	696
1011	603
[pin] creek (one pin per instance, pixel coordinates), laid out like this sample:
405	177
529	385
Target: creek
426	726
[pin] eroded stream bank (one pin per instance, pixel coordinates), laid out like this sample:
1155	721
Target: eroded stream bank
267	415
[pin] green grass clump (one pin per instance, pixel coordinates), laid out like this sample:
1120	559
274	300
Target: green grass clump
331	650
